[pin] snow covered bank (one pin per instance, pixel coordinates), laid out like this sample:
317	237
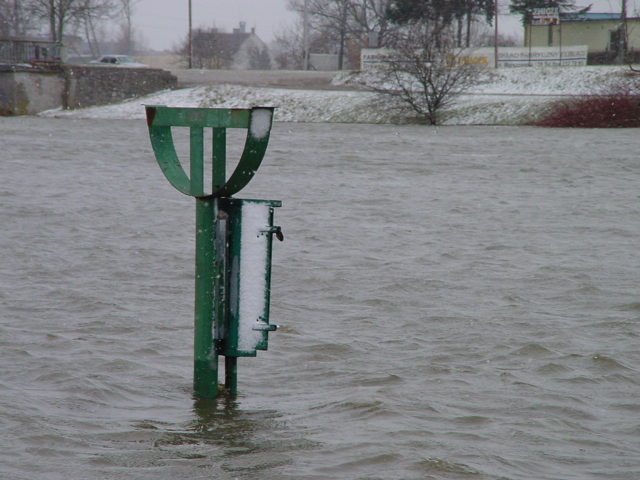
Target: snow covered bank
503	97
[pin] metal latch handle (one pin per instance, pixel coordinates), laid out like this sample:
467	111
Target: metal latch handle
264	327
274	230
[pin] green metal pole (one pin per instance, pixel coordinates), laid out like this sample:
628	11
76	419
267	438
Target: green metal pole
205	370
211	287
231	375
218	179
205	373
196	161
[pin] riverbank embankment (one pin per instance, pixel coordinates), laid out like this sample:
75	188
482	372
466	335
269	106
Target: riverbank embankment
502	97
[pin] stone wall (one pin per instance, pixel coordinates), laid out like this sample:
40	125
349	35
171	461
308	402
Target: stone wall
27	91
88	85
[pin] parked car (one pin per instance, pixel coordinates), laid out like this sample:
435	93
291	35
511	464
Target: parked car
118	61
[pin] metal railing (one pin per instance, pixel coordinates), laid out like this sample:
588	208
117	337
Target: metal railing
29	51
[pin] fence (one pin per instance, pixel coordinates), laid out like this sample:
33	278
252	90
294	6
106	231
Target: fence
28	51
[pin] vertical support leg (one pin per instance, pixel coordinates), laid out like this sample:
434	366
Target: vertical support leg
196	161
219	157
205	374
219	154
231	374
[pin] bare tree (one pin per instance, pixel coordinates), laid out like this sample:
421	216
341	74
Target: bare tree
330	17
288	48
370	19
258	57
206	49
62	14
486	37
17	18
288	45
126	42
343	27
91	35
425	75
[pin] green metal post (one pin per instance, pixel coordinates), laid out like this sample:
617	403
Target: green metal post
205	378
231	374
205	368
211	282
196	153
219	158
218	178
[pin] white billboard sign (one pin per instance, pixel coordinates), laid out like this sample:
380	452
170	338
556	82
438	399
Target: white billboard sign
566	56
545	16
571	55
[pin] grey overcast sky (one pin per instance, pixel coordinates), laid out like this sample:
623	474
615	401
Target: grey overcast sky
164	23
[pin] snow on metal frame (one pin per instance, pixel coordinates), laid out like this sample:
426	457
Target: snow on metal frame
260	122
253	273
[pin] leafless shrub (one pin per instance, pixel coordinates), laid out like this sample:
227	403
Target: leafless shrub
424	73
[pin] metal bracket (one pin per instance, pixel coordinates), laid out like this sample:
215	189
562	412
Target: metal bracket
160	119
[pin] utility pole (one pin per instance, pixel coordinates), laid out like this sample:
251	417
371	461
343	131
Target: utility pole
305	34
495	36
622	44
190	39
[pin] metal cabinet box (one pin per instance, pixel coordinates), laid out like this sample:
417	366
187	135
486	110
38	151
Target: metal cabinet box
249	237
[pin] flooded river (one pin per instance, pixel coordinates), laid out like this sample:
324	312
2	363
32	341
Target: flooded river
455	303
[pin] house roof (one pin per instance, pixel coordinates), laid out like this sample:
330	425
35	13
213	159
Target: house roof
591	17
225	45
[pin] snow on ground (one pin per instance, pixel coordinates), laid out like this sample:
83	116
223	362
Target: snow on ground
502	97
292	105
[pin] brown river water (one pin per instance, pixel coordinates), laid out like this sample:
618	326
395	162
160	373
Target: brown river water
455	303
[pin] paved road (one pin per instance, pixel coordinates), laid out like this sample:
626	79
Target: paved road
260	78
